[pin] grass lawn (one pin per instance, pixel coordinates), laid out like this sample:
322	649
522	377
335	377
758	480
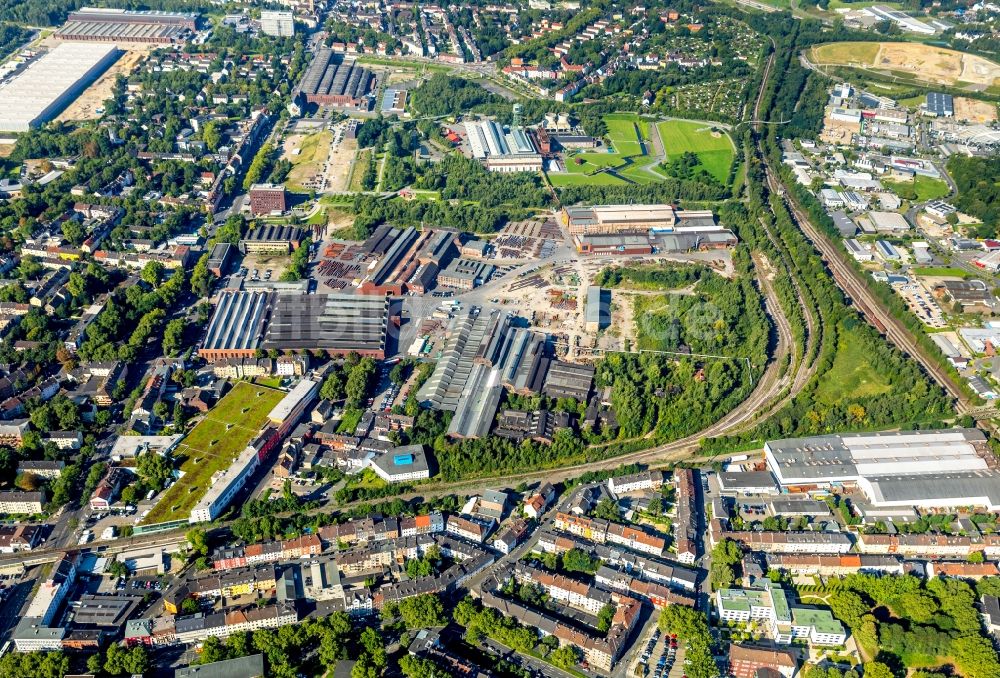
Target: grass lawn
920	189
852	375
714	150
638	174
940	271
361	163
349	420
624	135
212	445
846	52
318	219
366	480
312	152
575	179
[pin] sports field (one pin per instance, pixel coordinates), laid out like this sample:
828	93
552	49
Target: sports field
714	149
212	445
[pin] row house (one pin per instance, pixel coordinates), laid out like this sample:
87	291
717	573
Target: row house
636	482
238	582
918	545
806	542
835	565
474	530
658	595
563	589
646	567
198	627
686	515
603	531
601	652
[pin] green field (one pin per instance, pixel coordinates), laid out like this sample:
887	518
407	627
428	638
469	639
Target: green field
714	150
580	179
851	376
313	151
920	189
361	163
626	140
940	272
624	135
212	445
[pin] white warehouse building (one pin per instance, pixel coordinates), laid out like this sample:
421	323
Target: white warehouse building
926	469
51	83
502	151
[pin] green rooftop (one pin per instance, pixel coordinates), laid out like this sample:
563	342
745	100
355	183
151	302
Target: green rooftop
820	620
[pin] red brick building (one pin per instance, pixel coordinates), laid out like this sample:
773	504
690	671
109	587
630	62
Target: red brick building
266	198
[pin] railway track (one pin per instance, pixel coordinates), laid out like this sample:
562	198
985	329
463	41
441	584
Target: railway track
864	300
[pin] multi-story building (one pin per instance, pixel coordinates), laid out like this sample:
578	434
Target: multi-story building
785	622
198	627
745	662
635	482
18	502
266	199
687	517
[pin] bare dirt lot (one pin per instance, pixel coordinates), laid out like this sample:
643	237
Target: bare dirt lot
86	105
838	131
971	110
321	160
923	62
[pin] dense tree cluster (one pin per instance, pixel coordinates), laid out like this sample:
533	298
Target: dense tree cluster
691	627
11	38
919	621
443	94
978	181
34	664
308	647
132	316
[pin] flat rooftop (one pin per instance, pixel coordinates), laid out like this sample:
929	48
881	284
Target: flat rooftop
47	83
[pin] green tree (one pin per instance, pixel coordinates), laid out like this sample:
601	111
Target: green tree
152	273
566	657
197	537
422	611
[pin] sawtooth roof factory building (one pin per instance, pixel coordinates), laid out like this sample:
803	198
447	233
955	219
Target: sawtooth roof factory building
101	24
339	324
332	80
923	469
51	83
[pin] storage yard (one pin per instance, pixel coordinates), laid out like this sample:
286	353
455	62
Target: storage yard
51	83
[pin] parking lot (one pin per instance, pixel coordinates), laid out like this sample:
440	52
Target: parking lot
658	658
921	304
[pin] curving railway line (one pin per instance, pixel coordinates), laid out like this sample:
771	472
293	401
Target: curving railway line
864	300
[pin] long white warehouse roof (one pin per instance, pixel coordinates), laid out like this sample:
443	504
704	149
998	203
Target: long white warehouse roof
848	457
46	84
